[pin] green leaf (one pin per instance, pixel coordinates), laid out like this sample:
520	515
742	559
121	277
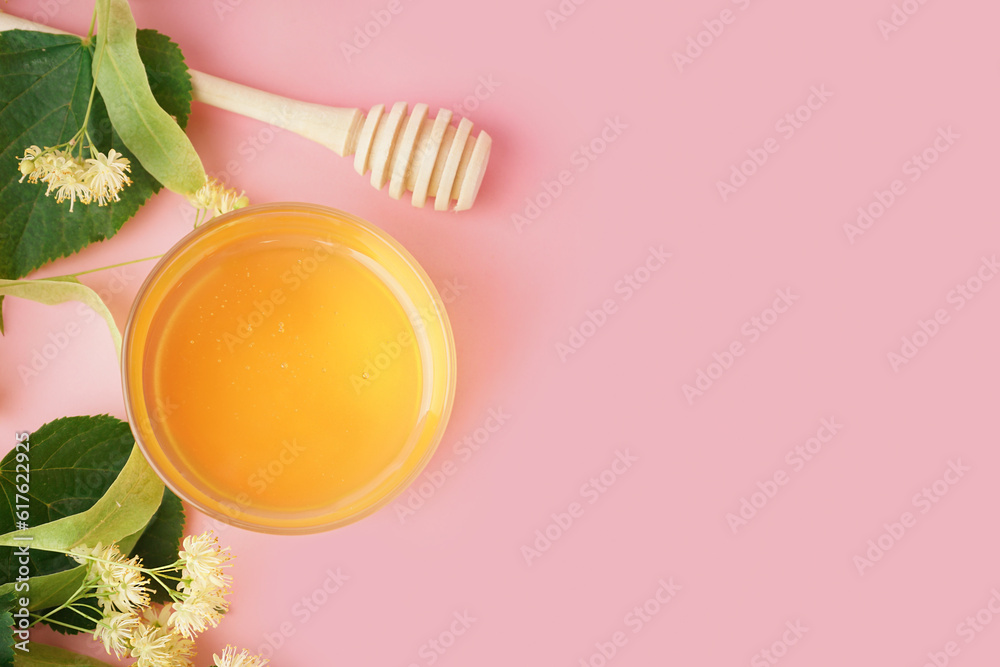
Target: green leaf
6	631
42	655
161	540
44	90
167	73
51	291
149	131
51	590
125	509
73	463
70	460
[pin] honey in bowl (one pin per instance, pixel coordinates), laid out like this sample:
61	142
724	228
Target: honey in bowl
288	368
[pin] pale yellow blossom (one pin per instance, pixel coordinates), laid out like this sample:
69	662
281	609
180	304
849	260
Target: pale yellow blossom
107	175
230	658
116	630
180	649
197	612
214	199
100	177
202	561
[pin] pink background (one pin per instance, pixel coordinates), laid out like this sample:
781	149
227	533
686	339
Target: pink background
523	289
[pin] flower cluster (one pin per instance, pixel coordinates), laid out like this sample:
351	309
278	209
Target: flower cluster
98	178
203	585
164	636
215	199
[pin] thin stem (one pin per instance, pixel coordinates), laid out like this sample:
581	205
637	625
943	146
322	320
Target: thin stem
173	594
72	598
65	625
93	24
87	606
93	88
75	608
86	116
176	565
114	266
83	605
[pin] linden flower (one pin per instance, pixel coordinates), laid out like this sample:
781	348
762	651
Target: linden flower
125	587
157	619
73	189
179	649
230	658
197	613
230	201
118	581
55	167
100	177
163	636
43	167
115	631
216	199
201	562
106	176
151	646
61	171
27	164
63	174
205	197
98	560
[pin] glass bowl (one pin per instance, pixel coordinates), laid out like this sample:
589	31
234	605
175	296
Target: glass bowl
288	368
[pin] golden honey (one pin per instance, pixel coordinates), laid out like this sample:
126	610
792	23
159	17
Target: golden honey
288	368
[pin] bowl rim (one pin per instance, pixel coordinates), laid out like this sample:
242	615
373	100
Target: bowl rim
411	264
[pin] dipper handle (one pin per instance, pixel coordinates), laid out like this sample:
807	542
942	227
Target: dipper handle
400	146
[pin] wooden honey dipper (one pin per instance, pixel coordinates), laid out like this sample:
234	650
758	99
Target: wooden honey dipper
409	151
406	150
